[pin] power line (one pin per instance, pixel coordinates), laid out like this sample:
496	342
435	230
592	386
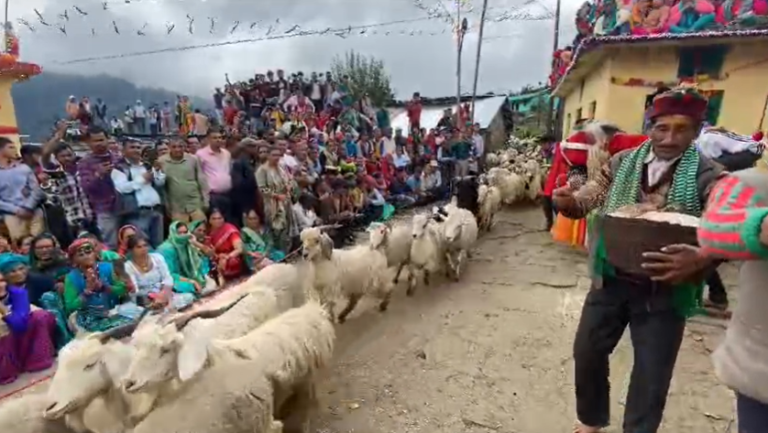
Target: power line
341	32
328	31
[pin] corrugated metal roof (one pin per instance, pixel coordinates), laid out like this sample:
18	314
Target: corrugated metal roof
485	111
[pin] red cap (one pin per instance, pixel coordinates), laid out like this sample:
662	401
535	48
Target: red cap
683	101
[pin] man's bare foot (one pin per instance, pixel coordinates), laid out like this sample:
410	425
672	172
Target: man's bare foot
581	428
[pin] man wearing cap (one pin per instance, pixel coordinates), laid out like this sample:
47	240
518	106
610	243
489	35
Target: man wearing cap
664	171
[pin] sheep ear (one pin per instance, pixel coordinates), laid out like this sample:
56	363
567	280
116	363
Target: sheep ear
192	355
326	246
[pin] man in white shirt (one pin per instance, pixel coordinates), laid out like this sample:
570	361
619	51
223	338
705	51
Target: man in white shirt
401	160
305	215
478	150
140	116
431	180
132	177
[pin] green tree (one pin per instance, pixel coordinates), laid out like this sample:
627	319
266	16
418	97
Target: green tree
366	75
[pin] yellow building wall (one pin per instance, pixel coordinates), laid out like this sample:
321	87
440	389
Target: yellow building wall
591	93
7	110
745	87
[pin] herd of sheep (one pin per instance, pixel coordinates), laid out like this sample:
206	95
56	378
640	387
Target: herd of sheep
251	365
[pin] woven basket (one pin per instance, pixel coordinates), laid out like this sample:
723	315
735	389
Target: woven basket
626	239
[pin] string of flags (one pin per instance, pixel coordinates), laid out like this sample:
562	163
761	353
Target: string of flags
65	21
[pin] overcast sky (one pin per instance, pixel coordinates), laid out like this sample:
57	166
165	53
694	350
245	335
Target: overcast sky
515	53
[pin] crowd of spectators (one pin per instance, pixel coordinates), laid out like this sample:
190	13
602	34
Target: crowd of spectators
158	221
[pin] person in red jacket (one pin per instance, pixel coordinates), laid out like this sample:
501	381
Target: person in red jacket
413	109
592	145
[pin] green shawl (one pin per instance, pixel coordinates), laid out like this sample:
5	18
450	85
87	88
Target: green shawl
188	257
684	194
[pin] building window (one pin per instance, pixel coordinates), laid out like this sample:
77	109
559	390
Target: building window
567	124
592	109
706	60
578	114
714	104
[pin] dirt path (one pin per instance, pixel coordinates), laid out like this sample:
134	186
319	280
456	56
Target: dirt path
493	352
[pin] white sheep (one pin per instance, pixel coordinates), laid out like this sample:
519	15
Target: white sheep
87	385
349	273
427	250
460	233
492	159
25	415
289	281
159	344
532	177
395	243
289	349
489	198
231	398
511	185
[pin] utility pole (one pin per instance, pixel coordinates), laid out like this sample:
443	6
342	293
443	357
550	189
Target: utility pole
5	26
551	105
460	30
477	58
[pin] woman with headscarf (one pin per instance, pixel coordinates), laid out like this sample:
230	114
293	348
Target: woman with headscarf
276	187
42	290
123	234
90	290
186	263
26	333
224	238
260	251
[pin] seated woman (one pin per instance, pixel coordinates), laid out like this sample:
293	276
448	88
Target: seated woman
123	234
26	334
90	291
48	260
184	260
122	282
260	250
42	291
153	281
224	239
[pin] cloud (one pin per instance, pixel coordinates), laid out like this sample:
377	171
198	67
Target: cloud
514	53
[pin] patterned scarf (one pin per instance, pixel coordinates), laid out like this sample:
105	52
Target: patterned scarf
683	195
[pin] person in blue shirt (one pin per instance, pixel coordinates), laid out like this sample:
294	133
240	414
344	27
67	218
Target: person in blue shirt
399	190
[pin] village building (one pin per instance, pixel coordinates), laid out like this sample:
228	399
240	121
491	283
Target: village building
613	78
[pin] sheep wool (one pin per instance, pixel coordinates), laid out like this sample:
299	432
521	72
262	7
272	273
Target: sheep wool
233	398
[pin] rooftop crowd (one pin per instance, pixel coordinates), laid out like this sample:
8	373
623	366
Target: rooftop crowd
196	201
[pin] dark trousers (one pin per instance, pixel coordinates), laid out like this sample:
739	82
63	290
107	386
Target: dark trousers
752	415
549	211
656	331
717	293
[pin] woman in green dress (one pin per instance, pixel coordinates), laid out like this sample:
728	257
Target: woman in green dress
260	250
276	187
186	263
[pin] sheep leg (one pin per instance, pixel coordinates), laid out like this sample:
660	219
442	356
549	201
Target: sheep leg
296	410
397	275
351	304
426	277
451	270
411	281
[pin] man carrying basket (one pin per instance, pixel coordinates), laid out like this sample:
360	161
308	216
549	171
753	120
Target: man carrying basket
667	171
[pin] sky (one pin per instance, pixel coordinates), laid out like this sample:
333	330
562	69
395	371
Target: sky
515	53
